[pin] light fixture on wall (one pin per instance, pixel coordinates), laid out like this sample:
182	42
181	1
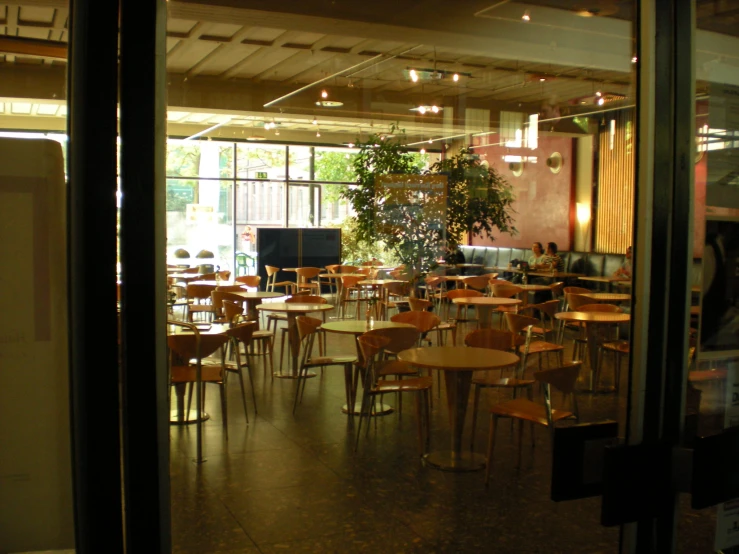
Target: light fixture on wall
554	162
584	214
426	109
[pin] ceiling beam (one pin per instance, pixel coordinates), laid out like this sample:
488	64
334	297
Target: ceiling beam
33	47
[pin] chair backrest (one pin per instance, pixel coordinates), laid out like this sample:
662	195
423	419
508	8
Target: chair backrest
333	268
395	288
575	301
224	275
495	281
576	290
199	292
557	289
191	270
305	299
547	311
607	308
489	276
189	346
350	281
231	310
307	327
271	270
419	304
307	273
517	322
371	347
490	338
249	280
423	321
477	282
506	291
243	332
563	379
348	269
401	338
366	270
463	293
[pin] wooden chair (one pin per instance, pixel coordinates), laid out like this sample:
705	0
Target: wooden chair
618	348
401	338
572	290
518	323
562	378
421	304
272	282
392	293
478	282
332	284
262	338
243	334
496	340
558	292
199	301
436	290
349	286
506	291
224	275
307	330
186	347
547	311
348	269
580	342
251	281
461	293
302	299
423	321
305	274
372	348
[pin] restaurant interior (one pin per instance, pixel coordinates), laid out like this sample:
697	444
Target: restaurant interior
271	110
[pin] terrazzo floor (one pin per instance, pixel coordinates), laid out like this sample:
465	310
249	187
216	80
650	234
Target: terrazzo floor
285	483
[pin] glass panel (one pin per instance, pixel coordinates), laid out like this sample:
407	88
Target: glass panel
511	104
711	403
200	223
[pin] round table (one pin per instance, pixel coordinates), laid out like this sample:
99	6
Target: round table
485	305
532	288
608	296
293	311
253	298
458	363
591	321
357	328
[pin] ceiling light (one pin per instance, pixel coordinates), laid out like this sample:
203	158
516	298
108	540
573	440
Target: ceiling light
526	16
414	75
431	141
315	121
435	108
599	93
601	101
318	133
455	77
350	145
634	59
422	109
255	137
329	103
423	150
542	79
324	93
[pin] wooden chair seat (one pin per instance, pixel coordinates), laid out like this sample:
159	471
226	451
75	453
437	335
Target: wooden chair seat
329	360
502	382
522	408
540	347
621	346
395	367
404	385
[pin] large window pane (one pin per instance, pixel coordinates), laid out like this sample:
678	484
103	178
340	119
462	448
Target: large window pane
260	161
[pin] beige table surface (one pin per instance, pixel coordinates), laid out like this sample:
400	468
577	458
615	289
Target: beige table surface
485	306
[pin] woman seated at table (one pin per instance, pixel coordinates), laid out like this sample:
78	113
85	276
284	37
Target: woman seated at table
625	269
550	262
534	260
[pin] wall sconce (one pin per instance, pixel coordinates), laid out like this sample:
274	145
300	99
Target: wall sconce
583	218
583	213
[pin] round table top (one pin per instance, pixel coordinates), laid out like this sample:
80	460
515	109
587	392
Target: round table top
339	275
603	279
468	265
377	282
184	276
458	358
357	327
454	277
594	317
257	294
487	300
609	296
294	308
203	329
534	287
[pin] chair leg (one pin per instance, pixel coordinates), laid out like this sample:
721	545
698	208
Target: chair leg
297	390
243	392
427	410
419	417
348	390
475	406
491	444
520	440
250	365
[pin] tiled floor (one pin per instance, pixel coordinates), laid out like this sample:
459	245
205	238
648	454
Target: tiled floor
287	483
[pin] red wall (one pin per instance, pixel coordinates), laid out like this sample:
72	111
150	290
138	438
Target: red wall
542	198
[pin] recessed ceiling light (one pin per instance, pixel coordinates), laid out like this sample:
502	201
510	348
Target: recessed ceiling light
255	137
324	93
601	101
315	121
455	77
598	93
422	151
526	16
329	103
414	75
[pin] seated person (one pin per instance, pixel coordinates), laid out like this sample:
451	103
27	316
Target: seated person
551	262
535	260
625	269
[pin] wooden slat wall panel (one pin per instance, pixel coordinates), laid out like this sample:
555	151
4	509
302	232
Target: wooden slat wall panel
615	212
